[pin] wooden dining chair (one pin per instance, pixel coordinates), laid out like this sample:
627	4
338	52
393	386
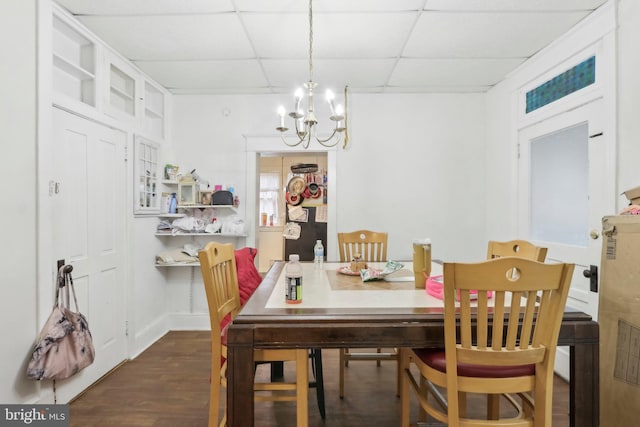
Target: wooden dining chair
218	266
371	246
518	248
501	345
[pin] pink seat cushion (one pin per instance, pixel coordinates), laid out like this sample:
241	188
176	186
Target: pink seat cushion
248	276
435	358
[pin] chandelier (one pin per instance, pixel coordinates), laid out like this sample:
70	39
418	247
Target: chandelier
305	122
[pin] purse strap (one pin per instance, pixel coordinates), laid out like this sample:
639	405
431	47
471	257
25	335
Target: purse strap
64	281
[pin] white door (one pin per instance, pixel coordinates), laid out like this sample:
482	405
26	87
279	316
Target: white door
88	214
562	197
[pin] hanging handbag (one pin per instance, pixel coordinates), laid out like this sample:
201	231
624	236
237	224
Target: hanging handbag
64	346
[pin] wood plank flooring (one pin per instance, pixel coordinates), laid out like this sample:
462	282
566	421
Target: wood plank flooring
168	386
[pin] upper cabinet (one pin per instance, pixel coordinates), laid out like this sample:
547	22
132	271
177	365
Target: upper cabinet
122	89
90	77
153	118
74	63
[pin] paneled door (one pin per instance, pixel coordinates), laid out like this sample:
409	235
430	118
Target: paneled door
88	226
563	196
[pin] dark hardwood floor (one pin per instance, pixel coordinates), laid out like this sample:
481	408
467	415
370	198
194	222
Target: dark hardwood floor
168	385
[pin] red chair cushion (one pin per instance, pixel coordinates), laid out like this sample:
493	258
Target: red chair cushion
248	276
248	281
435	358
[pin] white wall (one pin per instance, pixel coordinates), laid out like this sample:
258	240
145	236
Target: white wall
628	90
413	160
18	267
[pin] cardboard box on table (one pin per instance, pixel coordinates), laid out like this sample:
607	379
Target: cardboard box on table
619	320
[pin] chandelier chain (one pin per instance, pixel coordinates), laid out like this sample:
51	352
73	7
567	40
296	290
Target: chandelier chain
310	41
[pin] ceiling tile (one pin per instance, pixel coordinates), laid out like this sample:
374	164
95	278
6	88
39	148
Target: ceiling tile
490	35
145	7
212	75
328	73
511	5
179	37
344	35
451	72
329	5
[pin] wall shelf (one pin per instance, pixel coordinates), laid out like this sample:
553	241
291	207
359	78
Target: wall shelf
205	206
187	234
71	68
179	264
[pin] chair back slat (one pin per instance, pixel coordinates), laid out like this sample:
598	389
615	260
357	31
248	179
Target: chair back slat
371	245
498	320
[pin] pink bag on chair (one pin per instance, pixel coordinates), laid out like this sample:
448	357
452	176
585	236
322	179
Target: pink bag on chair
435	288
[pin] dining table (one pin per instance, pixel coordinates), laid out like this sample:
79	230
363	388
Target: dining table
340	310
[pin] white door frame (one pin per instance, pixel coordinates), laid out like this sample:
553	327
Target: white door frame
258	144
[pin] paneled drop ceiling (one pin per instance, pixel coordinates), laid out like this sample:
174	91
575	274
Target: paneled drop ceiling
260	46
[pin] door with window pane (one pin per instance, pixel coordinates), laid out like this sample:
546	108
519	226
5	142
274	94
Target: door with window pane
562	194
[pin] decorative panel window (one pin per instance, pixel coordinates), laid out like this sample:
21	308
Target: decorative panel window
146	177
572	80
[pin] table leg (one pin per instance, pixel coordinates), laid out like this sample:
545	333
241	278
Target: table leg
584	399
240	378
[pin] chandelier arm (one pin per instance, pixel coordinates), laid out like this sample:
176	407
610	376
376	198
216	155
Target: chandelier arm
324	141
294	144
337	141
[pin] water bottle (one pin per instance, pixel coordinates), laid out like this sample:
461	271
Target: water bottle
318	254
293	280
173	206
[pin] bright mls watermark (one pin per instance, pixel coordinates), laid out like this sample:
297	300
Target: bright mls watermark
34	415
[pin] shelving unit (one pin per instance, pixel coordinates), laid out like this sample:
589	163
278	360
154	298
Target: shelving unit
122	90
154	113
199	237
169	234
206	206
74	63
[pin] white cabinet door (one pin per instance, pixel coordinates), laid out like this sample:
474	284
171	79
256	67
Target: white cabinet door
88	223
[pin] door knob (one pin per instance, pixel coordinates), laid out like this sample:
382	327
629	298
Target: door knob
592	275
594	234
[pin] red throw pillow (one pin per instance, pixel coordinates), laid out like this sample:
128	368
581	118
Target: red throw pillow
248	276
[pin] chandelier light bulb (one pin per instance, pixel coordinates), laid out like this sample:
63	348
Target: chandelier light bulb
299	94
329	95
281	113
339	110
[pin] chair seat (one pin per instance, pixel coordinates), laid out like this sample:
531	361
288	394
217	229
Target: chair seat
436	359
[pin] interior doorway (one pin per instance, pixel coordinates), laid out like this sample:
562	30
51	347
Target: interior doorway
275	173
259	146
